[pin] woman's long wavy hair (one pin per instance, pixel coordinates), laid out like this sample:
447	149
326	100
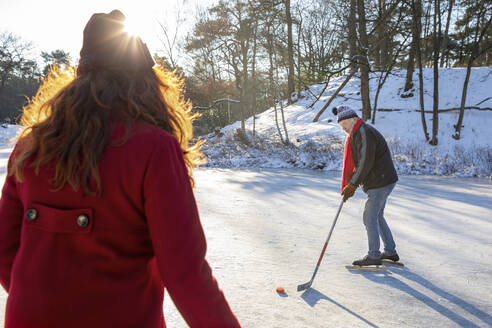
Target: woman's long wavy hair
68	121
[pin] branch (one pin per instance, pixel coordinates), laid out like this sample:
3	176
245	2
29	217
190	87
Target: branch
331	73
215	102
483	101
316	118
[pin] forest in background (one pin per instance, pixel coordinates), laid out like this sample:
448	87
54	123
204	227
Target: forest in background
246	56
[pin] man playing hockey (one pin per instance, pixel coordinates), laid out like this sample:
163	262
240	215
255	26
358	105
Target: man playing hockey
367	162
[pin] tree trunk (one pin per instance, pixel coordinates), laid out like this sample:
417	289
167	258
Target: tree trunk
276	122
426	33
377	50
385	49
253	79
382	80
290	50
352	34
412	53
364	65
417	20
458	125
243	109
273	93
286	140
475	53
410	66
283	122
444	50
244	87
299	81
380	85
381	55
437	38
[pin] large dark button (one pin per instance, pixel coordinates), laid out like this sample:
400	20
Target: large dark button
83	220
31	214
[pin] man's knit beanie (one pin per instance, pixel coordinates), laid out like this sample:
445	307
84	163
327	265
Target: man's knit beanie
344	112
107	46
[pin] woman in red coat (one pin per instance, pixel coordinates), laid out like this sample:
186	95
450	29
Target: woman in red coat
97	214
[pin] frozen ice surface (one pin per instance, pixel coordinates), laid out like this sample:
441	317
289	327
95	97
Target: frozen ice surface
266	228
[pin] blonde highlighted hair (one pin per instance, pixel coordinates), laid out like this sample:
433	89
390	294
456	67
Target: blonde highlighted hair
68	120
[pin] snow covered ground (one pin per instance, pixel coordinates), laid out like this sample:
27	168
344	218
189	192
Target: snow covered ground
320	144
266	228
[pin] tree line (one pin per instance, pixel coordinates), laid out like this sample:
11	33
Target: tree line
21	73
245	56
262	51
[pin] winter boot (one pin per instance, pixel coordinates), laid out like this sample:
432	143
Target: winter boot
367	261
394	258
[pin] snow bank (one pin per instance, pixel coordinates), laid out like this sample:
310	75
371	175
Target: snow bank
320	145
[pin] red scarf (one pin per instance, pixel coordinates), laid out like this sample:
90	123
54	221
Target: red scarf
348	161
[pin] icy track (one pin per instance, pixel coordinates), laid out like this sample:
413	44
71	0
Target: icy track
266	228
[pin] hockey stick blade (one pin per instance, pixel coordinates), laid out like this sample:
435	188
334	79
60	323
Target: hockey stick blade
304	286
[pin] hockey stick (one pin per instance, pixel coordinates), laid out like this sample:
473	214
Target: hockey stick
310	282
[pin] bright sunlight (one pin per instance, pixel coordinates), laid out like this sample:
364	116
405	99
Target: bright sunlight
135	25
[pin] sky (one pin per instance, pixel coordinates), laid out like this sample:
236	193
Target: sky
58	24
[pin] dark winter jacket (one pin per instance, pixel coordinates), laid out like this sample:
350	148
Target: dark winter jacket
372	159
69	260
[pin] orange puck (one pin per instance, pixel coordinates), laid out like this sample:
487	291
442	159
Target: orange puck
280	290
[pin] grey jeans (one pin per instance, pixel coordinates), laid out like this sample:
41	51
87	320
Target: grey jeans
375	223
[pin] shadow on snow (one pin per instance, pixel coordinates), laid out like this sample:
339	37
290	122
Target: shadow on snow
311	296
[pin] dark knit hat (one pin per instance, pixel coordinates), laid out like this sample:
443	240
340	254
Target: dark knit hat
107	46
344	112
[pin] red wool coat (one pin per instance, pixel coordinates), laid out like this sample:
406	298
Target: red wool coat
68	260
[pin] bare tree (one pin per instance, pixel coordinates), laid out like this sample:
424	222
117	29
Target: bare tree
388	66
426	36
299	57
19	75
410	67
170	38
14	55
381	51
321	39
383	75
445	41
284	123
204	48
417	27
412	53
280	101
364	62
360	58
232	26
482	12
290	51
352	32
269	37
244	36
437	38
253	76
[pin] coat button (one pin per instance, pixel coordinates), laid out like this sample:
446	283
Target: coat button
31	214
83	220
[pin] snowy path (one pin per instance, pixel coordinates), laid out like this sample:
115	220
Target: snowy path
266	229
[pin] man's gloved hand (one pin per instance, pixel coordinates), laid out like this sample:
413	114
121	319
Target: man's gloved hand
348	191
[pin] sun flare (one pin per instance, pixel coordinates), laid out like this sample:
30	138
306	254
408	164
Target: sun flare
134	26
